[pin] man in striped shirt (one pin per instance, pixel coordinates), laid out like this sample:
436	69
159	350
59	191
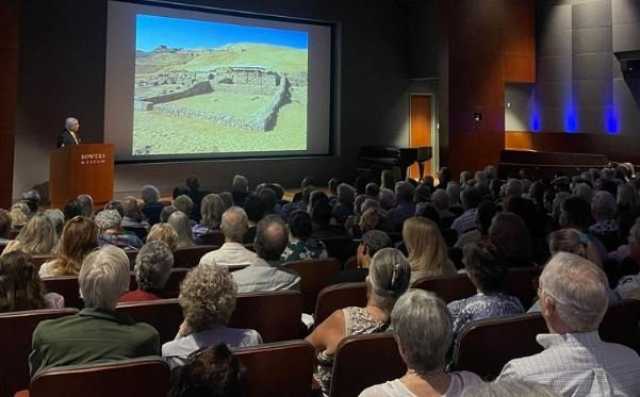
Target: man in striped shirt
576	362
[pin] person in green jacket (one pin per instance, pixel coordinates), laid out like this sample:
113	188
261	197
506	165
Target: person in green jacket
97	333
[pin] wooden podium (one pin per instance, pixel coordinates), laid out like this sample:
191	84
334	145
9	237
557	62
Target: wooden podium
79	169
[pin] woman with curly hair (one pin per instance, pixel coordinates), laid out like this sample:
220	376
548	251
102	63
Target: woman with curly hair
20	286
79	238
208	298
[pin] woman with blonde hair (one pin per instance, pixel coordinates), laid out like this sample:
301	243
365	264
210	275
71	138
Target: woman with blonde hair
79	238
19	213
37	237
166	233
182	224
428	254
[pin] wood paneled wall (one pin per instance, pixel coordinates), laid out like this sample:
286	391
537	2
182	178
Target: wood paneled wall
519	44
9	55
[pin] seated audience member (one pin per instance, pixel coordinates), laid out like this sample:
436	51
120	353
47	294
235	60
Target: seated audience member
184	204
38	237
207	298
575	242
440	201
182	225
603	208
132	217
510	236
629	256
628	209
583	191
211	209
79	238
152	270
388	279
269	201
32	199
239	190
213	372
422	329
387	180
344	206
86	205
232	253
576	362
265	273
20	286
486	211
71	209
164	232
152	205
488	274
321	219
20	214
57	219
387	199
255	211
110	231
332	185
404	209
227	198
428	254
576	213
115	205
5	227
98	333
166	213
453	191
509	389
371	242
371	192
301	245
421	196
470	198
196	195
314	197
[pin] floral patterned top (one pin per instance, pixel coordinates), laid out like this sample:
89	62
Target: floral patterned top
480	307
299	250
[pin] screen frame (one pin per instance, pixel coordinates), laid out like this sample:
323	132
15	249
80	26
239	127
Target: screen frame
333	119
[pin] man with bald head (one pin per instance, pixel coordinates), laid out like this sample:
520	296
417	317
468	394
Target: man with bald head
70	135
265	273
232	254
573	295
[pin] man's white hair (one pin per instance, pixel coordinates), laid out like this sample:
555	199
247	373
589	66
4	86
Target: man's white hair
69	122
104	277
579	289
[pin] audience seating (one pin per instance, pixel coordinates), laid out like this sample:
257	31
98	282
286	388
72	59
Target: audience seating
315	274
365	360
621	324
215	238
39	260
339	296
278	369
164	315
16	329
519	283
341	248
275	315
145	377
351	263
190	257
66	286
172	288
141	232
485	346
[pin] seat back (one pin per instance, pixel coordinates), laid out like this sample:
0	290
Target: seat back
447	288
485	346
190	257
66	286
341	248
621	324
172	288
315	274
278	369
211	238
38	260
339	296
16	329
146	377
365	360
520	282
275	315
164	315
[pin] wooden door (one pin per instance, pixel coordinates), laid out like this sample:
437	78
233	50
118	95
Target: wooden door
420	129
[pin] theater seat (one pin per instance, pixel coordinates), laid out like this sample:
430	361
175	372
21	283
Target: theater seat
365	360
16	329
341	248
447	288
485	346
339	296
66	286
143	377
190	257
315	274
172	288
164	315
522	283
278	369
215	238
38	260
275	315
621	324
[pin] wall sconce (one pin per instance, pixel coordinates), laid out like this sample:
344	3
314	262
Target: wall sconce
477	117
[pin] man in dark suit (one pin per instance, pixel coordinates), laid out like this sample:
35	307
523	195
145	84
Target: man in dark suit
70	134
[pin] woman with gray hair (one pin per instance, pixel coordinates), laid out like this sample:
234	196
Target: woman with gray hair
208	298
182	224
422	329
152	270
388	279
110	231
38	237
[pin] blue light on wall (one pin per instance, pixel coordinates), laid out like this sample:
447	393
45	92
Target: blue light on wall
611	121
535	122
571	120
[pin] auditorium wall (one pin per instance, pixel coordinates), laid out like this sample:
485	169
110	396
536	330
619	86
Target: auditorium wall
63	64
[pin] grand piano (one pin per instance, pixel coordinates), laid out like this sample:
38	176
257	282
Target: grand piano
378	158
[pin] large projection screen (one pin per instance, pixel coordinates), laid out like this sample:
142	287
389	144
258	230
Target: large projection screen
185	83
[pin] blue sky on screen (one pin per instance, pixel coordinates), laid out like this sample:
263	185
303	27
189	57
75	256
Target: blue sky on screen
154	31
